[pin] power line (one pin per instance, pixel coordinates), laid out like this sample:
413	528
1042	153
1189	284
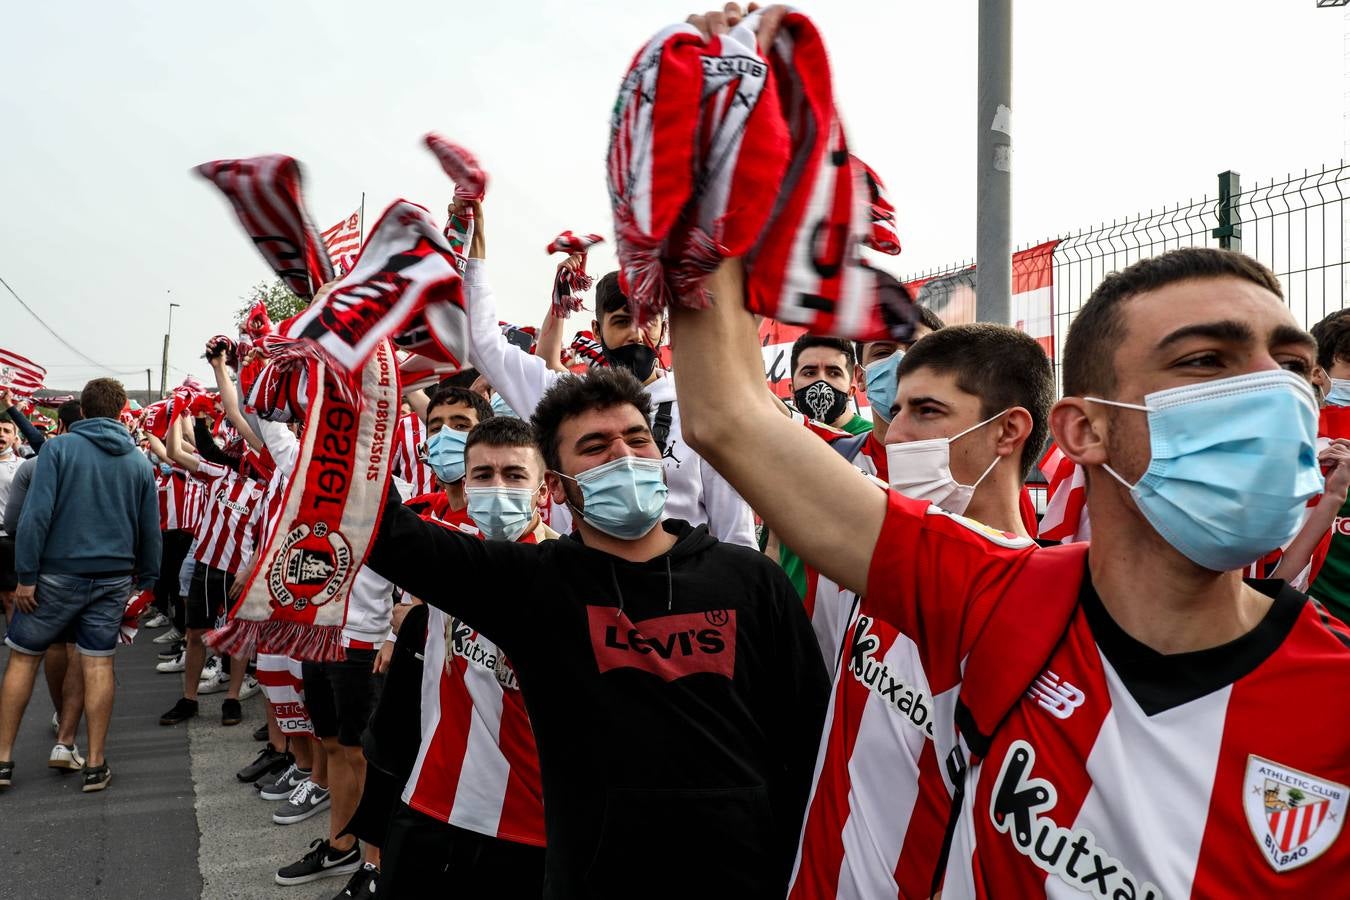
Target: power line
65	343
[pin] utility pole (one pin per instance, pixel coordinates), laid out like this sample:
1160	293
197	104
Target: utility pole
993	177
149	391
164	362
1345	139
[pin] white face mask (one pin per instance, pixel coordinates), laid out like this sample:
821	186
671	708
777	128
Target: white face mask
922	470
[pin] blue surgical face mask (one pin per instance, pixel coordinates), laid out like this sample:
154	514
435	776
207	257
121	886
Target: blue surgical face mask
165	469
501	513
1234	462
500	408
624	498
1339	395
881	383
445	454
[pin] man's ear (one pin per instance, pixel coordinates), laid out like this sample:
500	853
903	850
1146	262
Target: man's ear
1080	431
553	484
1013	432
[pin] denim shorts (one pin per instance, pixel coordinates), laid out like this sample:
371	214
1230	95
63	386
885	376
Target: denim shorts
93	606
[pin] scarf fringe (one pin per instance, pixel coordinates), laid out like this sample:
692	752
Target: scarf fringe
298	640
699	256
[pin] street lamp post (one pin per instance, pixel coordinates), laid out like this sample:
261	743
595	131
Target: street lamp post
164	362
993	179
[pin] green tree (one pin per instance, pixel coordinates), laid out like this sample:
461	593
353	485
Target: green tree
1296	796
281	303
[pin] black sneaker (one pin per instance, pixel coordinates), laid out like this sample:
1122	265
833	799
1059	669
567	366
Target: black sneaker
269	761
231	713
171	652
183	710
362	883
6	773
322	861
261	733
96	778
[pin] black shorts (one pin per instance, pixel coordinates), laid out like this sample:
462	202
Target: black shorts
425	857
8	579
340	696
208	597
175	545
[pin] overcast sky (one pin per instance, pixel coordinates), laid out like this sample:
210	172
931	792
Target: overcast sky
105	106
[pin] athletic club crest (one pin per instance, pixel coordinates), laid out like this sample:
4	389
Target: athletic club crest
311	566
1294	816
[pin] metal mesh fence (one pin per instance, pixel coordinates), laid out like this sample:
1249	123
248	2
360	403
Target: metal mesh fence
1296	225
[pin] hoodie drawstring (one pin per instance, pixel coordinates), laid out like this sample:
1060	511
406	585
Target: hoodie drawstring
670	587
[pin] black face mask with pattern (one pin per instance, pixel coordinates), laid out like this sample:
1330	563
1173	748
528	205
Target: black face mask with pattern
636	358
821	401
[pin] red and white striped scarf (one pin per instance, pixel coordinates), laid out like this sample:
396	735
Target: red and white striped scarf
131	615
584	351
697	146
284	687
884	238
739	154
405	286
470	184
569	282
265	194
296	601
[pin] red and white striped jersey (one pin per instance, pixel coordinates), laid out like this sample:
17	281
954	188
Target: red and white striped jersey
1117	771
477	767
180	501
408	436
858	843
225	536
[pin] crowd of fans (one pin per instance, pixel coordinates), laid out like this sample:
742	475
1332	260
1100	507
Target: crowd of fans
639	628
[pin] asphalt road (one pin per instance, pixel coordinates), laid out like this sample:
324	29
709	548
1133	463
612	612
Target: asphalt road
174	823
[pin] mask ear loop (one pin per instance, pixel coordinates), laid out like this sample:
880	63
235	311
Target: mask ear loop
1113	472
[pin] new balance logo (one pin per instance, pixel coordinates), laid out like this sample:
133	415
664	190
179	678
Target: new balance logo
1058	698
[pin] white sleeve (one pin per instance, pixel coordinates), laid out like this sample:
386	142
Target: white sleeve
730	518
521	378
283	445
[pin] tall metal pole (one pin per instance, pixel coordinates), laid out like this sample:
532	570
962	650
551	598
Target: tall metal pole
993	180
149	391
164	361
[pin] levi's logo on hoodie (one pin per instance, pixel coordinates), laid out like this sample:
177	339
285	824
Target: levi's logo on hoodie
669	647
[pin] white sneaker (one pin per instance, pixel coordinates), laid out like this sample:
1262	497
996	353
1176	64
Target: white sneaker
213	683
67	759
168	637
177	664
56	723
248	688
158	620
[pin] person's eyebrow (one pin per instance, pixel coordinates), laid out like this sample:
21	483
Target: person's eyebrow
1288	334
1224	330
917	401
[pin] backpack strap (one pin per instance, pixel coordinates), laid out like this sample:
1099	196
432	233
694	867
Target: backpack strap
661	424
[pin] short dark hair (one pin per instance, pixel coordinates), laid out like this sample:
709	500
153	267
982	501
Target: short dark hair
1333	338
927	318
463	378
1089	350
608	295
572	395
462	397
1002	366
501	431
807	341
69	413
103	398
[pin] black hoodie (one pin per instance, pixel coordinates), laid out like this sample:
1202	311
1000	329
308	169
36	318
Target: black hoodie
677	704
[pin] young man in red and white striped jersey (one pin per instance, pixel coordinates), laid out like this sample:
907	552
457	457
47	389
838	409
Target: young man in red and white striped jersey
1126	718
472	816
224	545
409	435
971	408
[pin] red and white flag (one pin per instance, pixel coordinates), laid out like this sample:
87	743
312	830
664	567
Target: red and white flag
343	242
1065	518
1033	294
19	373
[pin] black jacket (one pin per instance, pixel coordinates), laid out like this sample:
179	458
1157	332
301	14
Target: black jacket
677	704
